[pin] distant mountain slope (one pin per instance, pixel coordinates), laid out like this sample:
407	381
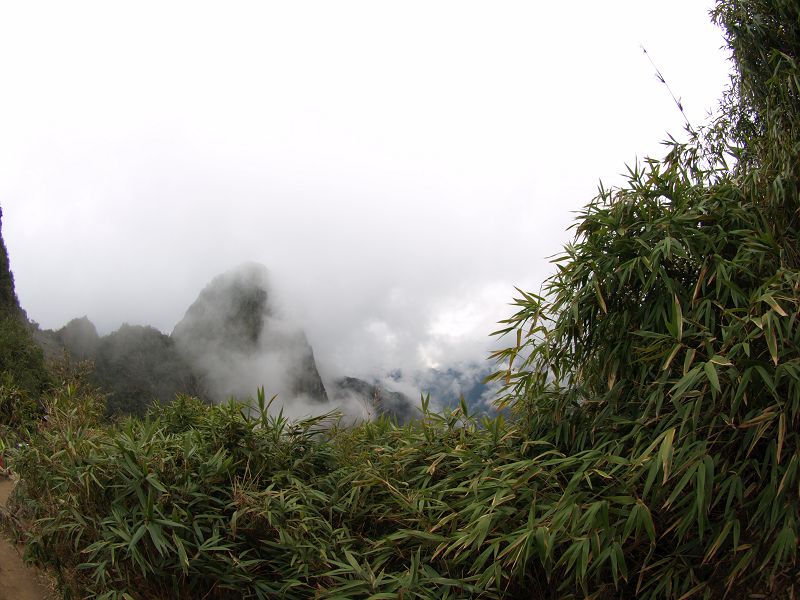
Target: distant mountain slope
374	398
232	340
140	364
134	365
446	386
78	339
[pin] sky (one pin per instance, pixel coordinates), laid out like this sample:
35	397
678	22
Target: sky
398	166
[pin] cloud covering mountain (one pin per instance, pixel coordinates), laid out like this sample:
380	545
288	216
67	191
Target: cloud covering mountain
399	167
236	337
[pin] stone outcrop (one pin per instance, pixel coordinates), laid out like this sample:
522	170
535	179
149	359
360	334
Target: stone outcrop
234	336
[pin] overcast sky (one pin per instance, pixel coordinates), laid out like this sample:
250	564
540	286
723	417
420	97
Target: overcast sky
398	166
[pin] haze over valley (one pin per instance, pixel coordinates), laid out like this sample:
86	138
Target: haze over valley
234	339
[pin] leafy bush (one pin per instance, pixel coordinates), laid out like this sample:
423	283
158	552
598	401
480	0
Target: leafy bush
668	340
20	358
23	379
19	412
235	503
152	505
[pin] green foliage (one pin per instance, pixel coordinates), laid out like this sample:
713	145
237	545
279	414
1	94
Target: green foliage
668	339
23	376
19	413
667	345
193	500
20	358
763	110
232	502
23	379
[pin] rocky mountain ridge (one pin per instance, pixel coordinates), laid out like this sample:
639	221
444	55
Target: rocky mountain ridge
231	340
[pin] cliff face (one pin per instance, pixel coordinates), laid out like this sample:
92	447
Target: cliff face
229	314
21	360
9	304
236	340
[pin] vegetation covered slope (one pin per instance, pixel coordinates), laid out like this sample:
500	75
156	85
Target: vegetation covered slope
135	366
652	448
22	372
8	297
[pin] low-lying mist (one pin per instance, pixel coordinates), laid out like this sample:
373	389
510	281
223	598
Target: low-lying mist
242	334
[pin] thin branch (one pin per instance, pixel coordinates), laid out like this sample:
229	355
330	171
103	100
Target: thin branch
661	78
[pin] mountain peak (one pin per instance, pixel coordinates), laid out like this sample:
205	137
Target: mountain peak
237	339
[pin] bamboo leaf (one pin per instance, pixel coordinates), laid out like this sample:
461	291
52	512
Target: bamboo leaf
769	299
680	486
712	550
184	560
599	295
688	360
711	374
772	344
665	453
670	357
677	317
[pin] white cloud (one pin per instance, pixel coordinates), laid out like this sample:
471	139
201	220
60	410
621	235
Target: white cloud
398	167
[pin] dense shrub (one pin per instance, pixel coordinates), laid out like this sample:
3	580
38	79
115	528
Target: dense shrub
235	503
20	358
668	340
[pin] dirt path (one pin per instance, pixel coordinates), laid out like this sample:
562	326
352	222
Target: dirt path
17	582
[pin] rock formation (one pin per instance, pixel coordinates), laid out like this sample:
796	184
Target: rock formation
235	338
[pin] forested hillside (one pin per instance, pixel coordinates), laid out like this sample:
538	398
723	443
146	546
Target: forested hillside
650	446
22	367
